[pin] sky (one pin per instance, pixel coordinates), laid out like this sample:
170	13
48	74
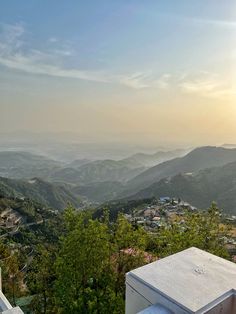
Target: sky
141	71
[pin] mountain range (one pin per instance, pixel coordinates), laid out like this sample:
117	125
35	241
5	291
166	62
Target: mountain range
201	176
199	189
81	171
197	159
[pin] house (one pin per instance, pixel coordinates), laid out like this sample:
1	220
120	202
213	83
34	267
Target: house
149	213
165	199
156	218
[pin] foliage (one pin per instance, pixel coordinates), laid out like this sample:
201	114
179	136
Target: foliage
40	280
200	229
84	270
11	274
95	255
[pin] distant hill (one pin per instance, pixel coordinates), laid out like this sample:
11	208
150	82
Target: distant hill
15	164
199	158
84	171
67	175
150	160
200	189
24	165
51	195
97	171
78	162
104	180
99	192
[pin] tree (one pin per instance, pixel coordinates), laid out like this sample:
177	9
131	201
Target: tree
92	262
83	267
129	246
41	277
95	255
201	229
11	274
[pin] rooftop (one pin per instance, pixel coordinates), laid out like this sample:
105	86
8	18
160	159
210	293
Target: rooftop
193	279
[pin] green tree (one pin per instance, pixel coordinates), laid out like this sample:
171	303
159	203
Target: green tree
11	274
129	246
41	278
83	267
200	229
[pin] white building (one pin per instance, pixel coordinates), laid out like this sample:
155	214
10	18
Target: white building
192	281
5	306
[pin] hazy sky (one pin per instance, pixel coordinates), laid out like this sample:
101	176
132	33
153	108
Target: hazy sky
143	71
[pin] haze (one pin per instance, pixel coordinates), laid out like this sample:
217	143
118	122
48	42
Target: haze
143	72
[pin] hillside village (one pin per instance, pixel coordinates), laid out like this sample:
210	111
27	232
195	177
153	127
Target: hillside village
164	211
161	212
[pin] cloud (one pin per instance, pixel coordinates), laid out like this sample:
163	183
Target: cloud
27	64
216	23
13	54
11	32
53	40
137	80
10	38
64	52
207	85
164	81
141	80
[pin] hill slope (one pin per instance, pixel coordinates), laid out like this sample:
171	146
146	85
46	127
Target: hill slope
97	171
50	195
200	189
15	164
99	192
150	160
199	158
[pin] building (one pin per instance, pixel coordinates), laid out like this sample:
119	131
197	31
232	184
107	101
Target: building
192	281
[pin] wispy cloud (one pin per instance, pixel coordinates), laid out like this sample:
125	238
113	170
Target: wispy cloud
142	80
228	24
197	21
50	62
28	64
164	81
136	80
10	38
206	84
53	39
14	55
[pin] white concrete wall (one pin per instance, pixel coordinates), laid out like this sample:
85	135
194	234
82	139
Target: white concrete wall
227	306
140	297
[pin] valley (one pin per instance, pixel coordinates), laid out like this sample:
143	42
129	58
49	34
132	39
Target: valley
200	176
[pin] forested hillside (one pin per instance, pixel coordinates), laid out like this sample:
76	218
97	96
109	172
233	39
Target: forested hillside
200	188
14	164
56	196
198	159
